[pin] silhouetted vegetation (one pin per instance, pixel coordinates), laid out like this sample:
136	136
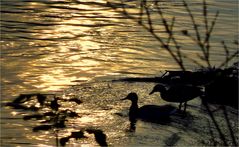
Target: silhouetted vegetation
53	117
220	84
201	36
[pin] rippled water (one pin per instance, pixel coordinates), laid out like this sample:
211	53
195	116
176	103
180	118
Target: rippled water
49	45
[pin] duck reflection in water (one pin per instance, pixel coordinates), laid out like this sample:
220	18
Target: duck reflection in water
151	113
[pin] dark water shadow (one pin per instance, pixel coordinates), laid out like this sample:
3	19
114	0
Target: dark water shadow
172	140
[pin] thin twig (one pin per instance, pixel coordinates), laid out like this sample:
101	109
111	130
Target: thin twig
169	30
226	52
205	15
216	124
229	125
141	12
194	24
229	58
149	18
207	35
198	36
163	44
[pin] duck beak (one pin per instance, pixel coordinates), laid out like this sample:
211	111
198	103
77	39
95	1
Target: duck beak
124	99
151	92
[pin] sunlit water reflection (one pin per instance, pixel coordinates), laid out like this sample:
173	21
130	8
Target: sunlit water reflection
49	45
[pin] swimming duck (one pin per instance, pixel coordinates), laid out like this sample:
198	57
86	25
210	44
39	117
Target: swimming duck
152	113
177	93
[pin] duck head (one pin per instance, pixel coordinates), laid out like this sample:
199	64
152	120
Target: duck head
132	97
157	88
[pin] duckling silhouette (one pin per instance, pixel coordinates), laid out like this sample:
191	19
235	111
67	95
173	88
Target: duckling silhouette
178	93
152	113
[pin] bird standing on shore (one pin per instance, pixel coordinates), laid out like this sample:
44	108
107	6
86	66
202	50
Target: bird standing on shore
178	93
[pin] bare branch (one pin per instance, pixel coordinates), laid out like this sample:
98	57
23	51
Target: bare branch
230	58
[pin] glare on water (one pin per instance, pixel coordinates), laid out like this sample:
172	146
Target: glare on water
47	46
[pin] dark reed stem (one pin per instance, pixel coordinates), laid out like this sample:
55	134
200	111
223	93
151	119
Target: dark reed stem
211	133
216	124
229	125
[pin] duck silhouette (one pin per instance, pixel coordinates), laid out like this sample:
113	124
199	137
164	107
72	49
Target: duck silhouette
151	113
178	93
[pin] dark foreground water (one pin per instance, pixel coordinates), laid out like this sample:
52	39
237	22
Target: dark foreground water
47	46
